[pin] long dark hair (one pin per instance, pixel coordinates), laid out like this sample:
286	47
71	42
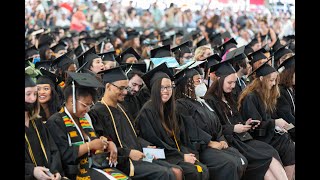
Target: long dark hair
186	89
166	111
216	90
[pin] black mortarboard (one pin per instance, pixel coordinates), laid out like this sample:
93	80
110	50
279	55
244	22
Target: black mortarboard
212	60
215	38
159	72
236	54
281	52
130	52
28	82
132	34
287	63
289	37
263	70
31	51
107	56
63	61
84	34
257	55
202	42
78	51
90	40
160	52
183	48
223	68
142	67
46	64
113	74
248	50
86	58
225	35
58	47
196	34
166	41
277	45
231	43
253	42
49	78
184	74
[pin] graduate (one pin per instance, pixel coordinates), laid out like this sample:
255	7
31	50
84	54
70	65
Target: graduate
49	93
63	64
263	160
42	157
286	102
138	93
204	128
258	101
158	124
111	120
108	59
128	56
182	52
73	133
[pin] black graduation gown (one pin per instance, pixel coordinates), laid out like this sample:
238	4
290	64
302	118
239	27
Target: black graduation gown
133	104
204	126
150	128
252	107
69	154
103	125
240	85
258	153
54	160
286	107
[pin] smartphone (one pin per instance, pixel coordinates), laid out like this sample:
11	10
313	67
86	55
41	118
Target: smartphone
253	123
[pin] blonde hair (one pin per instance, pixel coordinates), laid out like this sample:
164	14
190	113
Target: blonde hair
200	52
268	97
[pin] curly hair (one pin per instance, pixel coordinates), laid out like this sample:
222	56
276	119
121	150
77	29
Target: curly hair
200	52
186	89
286	77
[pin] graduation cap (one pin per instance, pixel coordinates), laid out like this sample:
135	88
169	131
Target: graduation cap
166	41
286	64
130	52
196	34
159	72
248	50
160	52
132	34
202	42
215	38
281	52
183	48
231	43
82	80
184	74
58	47
86	58
223	68
49	78
46	64
31	51
277	45
113	74
63	61
237	54
263	70
89	40
257	55
289	37
78	51
212	60
28	81
226	35
253	42
84	34
107	56
141	67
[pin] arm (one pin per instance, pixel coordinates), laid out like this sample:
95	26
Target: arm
284	110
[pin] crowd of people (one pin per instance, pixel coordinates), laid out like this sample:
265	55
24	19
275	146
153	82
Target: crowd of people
214	90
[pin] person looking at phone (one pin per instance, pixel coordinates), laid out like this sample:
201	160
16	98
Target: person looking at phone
263	159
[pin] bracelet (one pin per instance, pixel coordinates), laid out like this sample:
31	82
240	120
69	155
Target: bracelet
88	146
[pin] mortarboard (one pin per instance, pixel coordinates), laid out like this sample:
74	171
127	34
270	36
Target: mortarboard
130	52
185	73
63	61
212	60
166	41
281	52
289	37
58	47
215	38
263	70
277	45
29	52
236	54
226	35
160	52
28	82
142	67
107	56
257	55
84	34
183	48
159	72
86	58
202	42
132	34
89	40
223	68
286	64
78	51
113	74
253	42
231	43
49	78
46	64
195	34
248	50
82	80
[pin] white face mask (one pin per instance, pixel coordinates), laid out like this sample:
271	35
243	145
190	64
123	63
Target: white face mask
200	90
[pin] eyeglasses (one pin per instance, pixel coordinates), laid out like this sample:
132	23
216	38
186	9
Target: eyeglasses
168	88
122	88
85	105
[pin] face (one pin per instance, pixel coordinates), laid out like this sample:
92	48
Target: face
117	90
197	79
30	94
207	53
229	83
272	81
44	93
83	105
166	90
109	64
132	60
72	68
135	84
97	65
284	57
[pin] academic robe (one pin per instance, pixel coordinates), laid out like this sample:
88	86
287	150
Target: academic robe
286	108
239	86
253	107
133	103
103	125
203	125
68	139
258	153
150	128
52	152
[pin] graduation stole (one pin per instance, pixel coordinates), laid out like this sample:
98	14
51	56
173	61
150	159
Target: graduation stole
41	144
115	129
62	84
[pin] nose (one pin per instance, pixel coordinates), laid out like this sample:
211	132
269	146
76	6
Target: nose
136	88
